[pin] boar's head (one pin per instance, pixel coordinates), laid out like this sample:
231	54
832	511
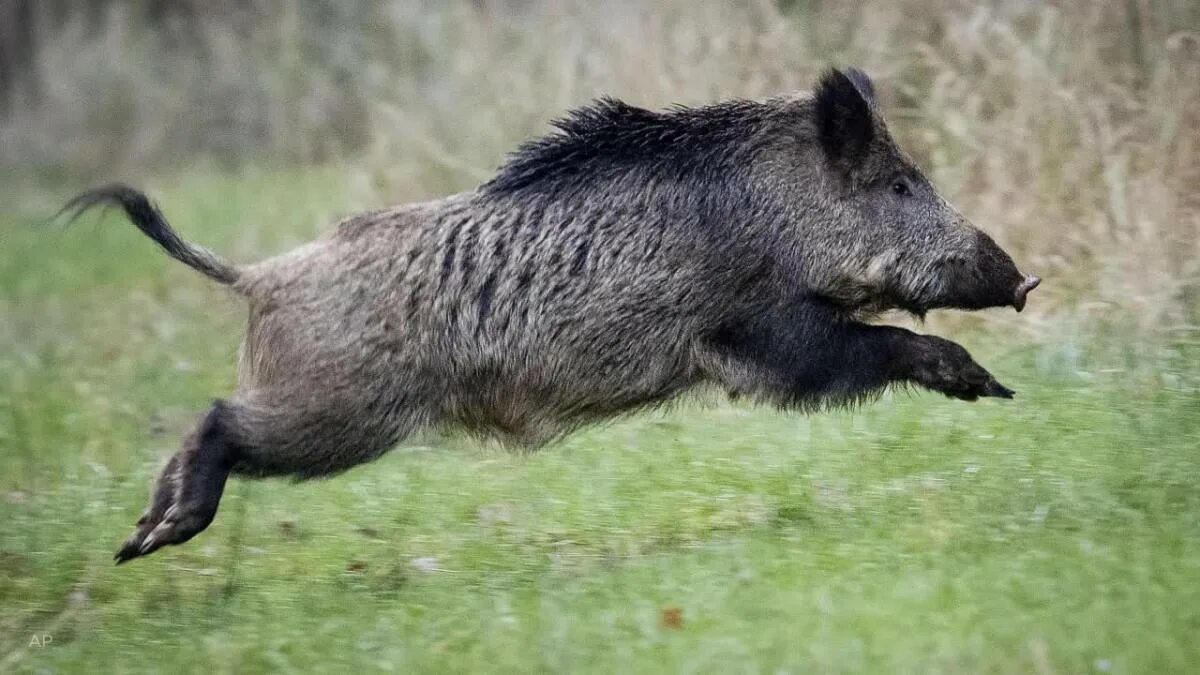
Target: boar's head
874	234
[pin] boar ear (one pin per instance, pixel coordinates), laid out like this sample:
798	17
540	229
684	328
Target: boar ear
862	82
845	125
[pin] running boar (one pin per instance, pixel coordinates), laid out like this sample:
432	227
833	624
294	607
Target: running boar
615	264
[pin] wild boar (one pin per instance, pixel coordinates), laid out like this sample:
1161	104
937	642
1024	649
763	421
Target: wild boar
615	264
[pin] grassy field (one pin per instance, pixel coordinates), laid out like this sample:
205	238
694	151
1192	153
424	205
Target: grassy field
1059	532
1056	533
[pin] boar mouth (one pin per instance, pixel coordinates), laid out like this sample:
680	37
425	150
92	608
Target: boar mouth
1031	282
970	295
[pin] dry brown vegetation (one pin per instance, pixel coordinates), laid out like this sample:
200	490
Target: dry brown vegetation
1070	130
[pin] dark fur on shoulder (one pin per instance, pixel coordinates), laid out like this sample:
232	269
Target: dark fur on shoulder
611	139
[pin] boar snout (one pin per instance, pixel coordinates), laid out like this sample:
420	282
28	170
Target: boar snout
996	281
983	278
1031	282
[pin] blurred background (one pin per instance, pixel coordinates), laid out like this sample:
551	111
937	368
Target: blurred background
1058	533
1069	130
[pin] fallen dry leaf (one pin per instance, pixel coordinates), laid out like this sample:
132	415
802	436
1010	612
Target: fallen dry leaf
672	617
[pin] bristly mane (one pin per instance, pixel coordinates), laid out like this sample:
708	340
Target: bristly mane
610	137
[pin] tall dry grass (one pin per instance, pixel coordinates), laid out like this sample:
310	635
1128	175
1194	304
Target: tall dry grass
1069	130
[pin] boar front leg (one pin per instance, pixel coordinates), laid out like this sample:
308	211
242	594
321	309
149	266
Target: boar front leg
809	353
946	367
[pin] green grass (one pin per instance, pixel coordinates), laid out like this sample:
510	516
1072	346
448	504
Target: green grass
1059	532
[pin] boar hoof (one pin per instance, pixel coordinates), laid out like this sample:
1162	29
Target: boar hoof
946	367
189	489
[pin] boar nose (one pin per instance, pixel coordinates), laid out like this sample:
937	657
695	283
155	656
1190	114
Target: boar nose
1031	282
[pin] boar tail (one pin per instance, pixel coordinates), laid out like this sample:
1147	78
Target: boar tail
150	221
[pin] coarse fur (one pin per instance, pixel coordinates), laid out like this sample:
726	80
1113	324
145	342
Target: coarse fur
629	257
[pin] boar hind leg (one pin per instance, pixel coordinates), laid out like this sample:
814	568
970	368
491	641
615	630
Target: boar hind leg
247	437
188	491
313	438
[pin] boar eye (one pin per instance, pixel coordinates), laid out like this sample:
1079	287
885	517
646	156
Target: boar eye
901	188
